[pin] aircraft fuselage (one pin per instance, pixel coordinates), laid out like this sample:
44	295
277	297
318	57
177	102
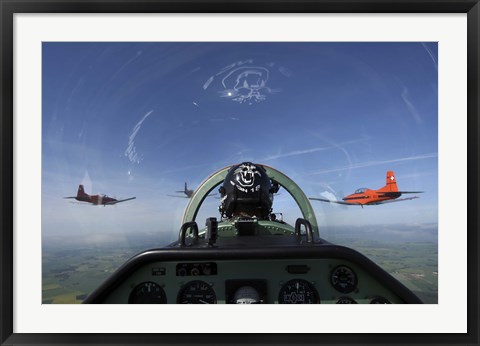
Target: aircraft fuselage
96	199
369	197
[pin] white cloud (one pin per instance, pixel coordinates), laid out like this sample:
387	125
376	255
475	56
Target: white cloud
429	51
410	106
131	151
311	150
376	163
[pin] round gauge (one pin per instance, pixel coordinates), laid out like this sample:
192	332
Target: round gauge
147	293
346	300
343	279
298	291
379	300
196	292
246	295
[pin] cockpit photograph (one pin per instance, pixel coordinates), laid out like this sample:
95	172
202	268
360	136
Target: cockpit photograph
239	173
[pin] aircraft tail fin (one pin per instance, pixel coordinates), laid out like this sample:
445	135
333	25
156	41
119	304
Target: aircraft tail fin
391	183
81	191
185	189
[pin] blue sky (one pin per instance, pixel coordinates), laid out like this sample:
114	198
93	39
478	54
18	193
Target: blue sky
140	119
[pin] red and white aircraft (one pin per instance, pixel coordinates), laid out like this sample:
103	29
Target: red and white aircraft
96	199
363	196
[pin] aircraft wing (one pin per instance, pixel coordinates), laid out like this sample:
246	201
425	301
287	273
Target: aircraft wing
330	201
213	194
394	200
122	200
178	196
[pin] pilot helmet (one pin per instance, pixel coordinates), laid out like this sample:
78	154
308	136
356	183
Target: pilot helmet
247	190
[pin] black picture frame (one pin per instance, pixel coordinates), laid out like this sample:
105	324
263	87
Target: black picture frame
10	7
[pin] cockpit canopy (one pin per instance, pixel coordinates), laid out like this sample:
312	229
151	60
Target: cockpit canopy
361	190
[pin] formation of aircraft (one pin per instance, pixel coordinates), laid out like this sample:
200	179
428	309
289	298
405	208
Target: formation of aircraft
364	196
104	200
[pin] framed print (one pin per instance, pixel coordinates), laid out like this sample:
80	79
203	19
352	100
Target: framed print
158	157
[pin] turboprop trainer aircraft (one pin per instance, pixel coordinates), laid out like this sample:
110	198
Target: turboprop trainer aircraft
249	255
104	200
363	196
188	193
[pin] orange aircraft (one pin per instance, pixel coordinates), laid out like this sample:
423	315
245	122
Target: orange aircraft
96	199
363	196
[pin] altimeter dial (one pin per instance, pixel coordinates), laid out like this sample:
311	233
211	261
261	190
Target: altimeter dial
298	291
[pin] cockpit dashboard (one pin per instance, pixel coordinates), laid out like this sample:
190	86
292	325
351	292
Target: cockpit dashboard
255	270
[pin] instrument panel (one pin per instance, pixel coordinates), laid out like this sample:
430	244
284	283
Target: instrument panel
266	281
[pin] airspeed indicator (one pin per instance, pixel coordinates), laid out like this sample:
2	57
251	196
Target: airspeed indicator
197	292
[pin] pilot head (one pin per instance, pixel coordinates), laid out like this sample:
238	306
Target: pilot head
247	191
